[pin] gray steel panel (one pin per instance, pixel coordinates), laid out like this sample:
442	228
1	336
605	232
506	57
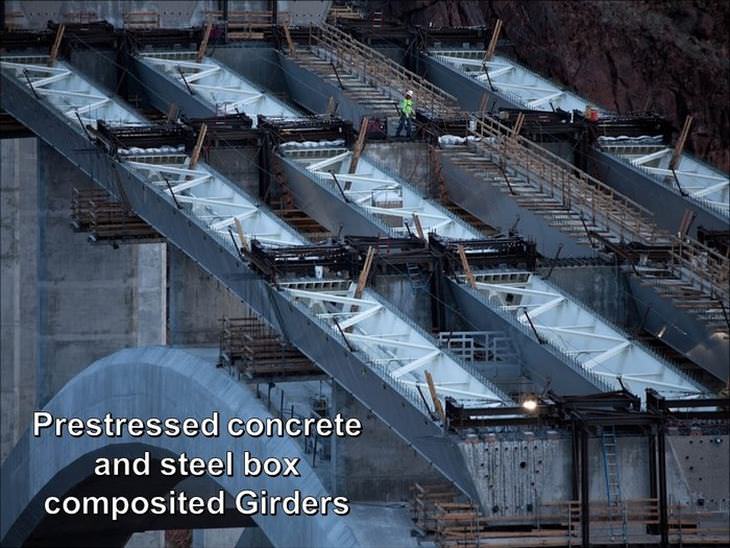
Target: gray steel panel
326	206
161	90
310	91
681	330
498	209
664	201
219	258
467	91
541	360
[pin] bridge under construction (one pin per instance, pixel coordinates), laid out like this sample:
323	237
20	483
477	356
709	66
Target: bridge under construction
207	209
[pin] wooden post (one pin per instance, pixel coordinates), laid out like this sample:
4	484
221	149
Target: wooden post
195	156
331	106
172	112
465	266
56	45
289	41
687	219
681	140
357	149
518	125
204	42
483	104
493	42
362	280
434	396
419	227
241	235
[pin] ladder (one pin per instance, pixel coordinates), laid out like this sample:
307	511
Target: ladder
613	479
416	277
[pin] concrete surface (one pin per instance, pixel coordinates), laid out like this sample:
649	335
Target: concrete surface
516	473
18	299
63	297
92	299
604	289
377	465
410	160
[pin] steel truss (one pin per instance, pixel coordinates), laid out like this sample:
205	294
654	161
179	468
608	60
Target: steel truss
387	197
581	336
68	92
694	179
598	347
393	346
524	87
213	82
214	200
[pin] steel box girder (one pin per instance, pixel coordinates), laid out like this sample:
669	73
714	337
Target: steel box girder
164	91
541	361
222	261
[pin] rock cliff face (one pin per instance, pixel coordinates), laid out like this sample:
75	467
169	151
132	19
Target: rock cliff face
667	56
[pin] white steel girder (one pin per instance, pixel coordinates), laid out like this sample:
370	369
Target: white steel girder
226	91
210	197
695	179
68	92
392	345
381	194
512	80
213	199
597	346
218	203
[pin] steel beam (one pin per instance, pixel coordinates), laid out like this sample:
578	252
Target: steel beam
218	256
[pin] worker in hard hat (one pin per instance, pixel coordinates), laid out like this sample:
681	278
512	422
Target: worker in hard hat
407	113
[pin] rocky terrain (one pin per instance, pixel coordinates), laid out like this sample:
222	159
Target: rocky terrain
667	56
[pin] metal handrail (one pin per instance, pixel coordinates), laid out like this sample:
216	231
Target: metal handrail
371	64
593	197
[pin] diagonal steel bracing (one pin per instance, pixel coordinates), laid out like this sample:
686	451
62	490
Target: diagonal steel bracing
224	91
708	186
696	181
390	353
392	344
396	203
589	345
598	347
522	86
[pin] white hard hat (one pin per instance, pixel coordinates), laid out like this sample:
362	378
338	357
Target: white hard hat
409	92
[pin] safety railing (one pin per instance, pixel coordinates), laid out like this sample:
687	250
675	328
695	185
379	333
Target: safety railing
707	269
600	203
596	201
373	65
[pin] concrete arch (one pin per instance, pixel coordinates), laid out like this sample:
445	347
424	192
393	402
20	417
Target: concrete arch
160	382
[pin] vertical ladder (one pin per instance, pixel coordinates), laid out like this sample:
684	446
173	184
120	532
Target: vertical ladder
613	479
416	277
